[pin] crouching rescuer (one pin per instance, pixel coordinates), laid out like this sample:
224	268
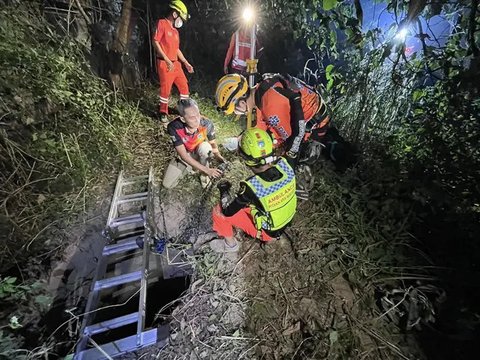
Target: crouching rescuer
266	202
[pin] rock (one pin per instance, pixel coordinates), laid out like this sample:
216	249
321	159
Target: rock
212	328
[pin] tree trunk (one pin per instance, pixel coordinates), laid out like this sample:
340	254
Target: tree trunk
120	45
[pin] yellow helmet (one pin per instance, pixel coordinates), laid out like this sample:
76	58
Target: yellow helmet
256	147
230	89
181	8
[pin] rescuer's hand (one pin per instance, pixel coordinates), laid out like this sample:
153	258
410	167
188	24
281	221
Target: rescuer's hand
214	173
189	67
170	65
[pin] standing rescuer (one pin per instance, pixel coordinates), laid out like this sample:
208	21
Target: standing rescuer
238	52
266	202
167	42
287	108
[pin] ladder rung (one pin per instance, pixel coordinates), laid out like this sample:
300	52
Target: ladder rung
122	346
117	280
127	245
130	232
125	220
134	180
111	324
132	197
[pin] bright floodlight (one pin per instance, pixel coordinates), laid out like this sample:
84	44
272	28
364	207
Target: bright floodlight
248	14
401	35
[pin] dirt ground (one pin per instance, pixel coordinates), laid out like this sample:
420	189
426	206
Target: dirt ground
285	300
265	302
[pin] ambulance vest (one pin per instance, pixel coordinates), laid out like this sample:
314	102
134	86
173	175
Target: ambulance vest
278	199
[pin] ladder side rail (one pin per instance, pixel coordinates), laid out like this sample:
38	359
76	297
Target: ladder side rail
112	214
142	303
91	304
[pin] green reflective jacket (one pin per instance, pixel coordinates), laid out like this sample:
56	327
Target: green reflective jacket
278	199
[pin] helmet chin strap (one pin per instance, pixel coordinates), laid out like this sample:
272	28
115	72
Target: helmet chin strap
268	160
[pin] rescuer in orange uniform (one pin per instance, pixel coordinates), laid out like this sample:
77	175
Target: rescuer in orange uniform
166	42
238	52
290	110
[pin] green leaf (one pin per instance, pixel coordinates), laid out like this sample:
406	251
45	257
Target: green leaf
330	84
10	280
333	38
333	336
43	300
328	69
310	42
329	76
329	4
418	94
14	324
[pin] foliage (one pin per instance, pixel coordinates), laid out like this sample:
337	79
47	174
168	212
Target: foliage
10	291
417	119
63	132
61	128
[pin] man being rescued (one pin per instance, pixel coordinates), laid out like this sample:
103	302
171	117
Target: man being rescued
193	137
290	110
266	202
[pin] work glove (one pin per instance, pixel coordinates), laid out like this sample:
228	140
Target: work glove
292	154
224	186
225	198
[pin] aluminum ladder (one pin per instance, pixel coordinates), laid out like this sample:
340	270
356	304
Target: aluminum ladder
123	231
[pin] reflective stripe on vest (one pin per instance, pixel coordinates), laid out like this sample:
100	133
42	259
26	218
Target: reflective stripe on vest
278	199
242	52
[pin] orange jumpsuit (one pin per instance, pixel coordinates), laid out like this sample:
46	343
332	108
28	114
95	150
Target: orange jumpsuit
290	110
167	37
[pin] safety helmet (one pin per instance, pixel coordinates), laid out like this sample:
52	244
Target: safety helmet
256	147
230	89
180	7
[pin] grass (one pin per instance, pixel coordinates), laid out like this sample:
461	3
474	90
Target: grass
67	135
321	303
64	135
319	299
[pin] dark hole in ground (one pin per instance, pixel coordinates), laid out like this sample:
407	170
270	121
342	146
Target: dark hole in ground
74	280
159	294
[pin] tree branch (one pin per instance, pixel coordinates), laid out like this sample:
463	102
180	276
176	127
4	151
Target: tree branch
472	29
82	11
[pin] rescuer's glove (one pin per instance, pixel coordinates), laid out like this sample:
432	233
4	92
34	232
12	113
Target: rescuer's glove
291	158
224	186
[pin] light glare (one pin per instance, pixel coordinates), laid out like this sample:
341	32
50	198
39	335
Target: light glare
401	35
248	14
